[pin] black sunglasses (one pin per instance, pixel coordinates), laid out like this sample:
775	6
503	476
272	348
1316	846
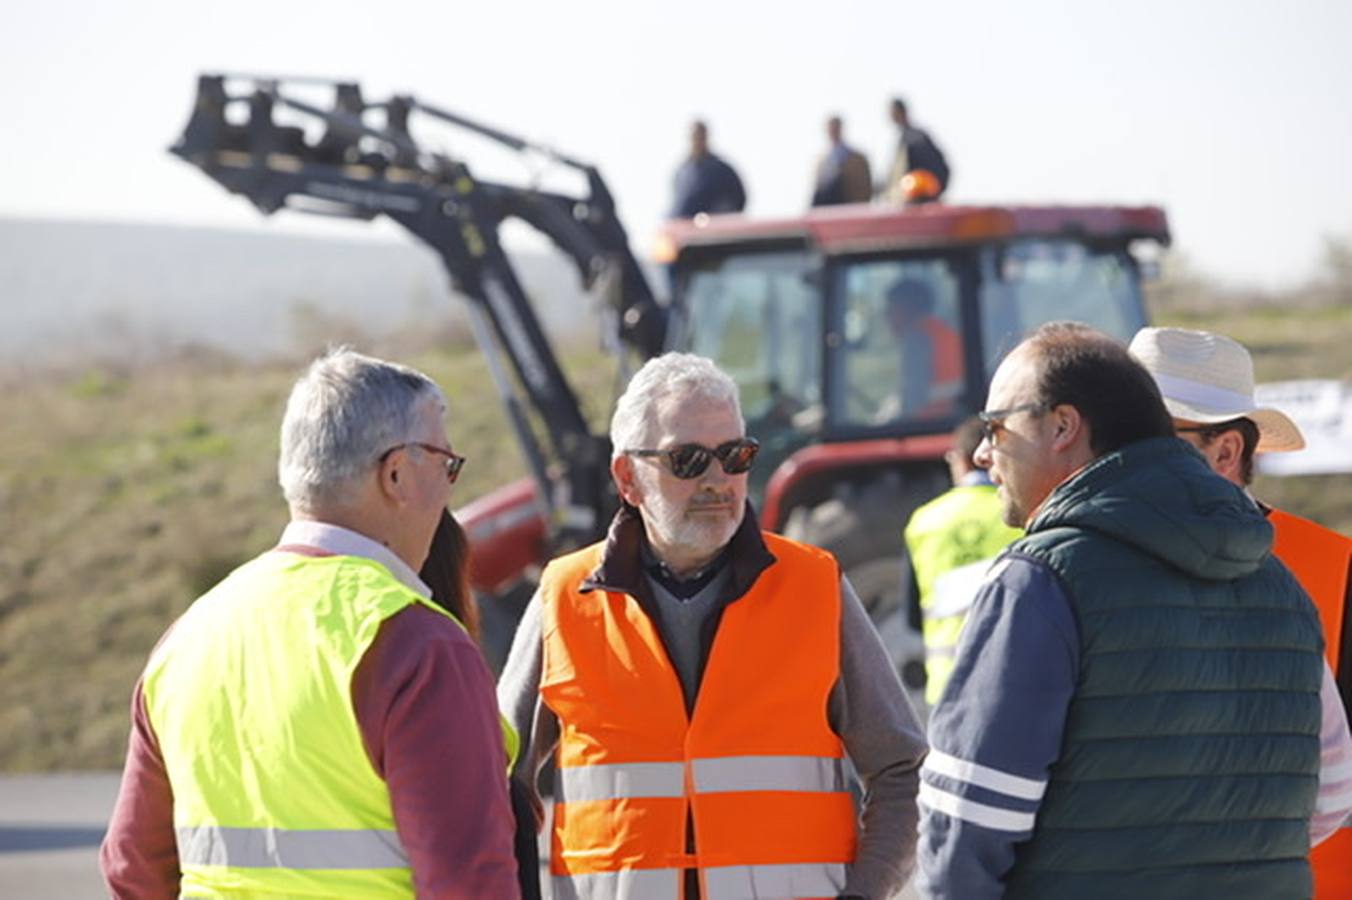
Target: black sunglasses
454	461
994	420
692	460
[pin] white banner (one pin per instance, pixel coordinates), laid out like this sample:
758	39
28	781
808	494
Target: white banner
1323	412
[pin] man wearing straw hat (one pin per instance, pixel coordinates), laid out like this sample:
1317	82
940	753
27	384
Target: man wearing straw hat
1207	383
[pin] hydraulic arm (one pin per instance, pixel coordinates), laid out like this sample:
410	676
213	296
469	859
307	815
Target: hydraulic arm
360	161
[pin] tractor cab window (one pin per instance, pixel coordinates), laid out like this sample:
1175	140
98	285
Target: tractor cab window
758	315
898	335
1027	283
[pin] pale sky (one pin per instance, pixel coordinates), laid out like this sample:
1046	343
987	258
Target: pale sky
1235	116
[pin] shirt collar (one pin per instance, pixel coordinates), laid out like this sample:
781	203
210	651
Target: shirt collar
682	587
344	542
621	567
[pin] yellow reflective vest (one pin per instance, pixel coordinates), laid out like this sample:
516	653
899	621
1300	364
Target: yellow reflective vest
952	541
249	697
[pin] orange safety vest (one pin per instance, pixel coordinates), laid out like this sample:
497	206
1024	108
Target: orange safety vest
757	770
946	387
1321	560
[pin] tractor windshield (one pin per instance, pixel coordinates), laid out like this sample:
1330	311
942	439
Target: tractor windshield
885	343
898	329
902	336
1027	283
758	315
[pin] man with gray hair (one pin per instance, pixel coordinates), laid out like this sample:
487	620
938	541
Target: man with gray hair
701	684
314	725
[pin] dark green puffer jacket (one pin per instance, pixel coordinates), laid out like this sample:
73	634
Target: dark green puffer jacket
1190	760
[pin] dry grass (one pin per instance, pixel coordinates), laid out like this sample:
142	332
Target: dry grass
128	493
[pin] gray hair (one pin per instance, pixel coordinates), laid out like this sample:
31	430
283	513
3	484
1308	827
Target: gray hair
344	412
678	376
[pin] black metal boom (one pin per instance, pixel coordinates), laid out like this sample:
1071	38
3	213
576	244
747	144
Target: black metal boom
365	163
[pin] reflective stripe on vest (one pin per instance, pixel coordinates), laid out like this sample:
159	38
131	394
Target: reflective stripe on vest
739	882
718	883
642	884
769	773
279	848
617	781
758	767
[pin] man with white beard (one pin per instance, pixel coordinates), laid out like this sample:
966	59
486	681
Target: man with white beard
745	793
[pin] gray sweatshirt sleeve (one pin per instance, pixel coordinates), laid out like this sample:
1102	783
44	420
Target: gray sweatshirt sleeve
869	710
519	698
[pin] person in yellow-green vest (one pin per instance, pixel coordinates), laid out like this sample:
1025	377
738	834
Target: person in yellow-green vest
315	725
952	540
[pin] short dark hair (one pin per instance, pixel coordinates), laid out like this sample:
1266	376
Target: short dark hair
899	105
1087	369
1248	431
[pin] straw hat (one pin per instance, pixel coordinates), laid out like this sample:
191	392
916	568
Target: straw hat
1208	378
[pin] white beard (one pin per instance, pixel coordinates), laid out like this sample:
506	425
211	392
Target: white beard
697	535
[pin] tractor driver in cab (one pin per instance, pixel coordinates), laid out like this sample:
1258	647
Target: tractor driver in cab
930	353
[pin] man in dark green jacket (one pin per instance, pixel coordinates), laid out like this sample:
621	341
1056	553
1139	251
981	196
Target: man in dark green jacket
1135	707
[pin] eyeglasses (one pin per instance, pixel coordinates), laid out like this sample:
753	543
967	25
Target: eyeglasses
454	461
688	461
994	420
1206	433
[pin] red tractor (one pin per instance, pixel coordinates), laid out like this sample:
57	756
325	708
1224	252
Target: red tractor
859	335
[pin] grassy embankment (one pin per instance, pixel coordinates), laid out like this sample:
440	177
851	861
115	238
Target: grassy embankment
125	493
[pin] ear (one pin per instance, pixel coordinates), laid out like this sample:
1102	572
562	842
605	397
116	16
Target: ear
1225	453
1068	428
626	480
393	478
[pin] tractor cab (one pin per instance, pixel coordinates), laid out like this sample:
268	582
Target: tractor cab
888	323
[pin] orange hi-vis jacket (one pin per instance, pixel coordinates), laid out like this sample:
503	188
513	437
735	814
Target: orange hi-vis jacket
1321	560
756	768
946	386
